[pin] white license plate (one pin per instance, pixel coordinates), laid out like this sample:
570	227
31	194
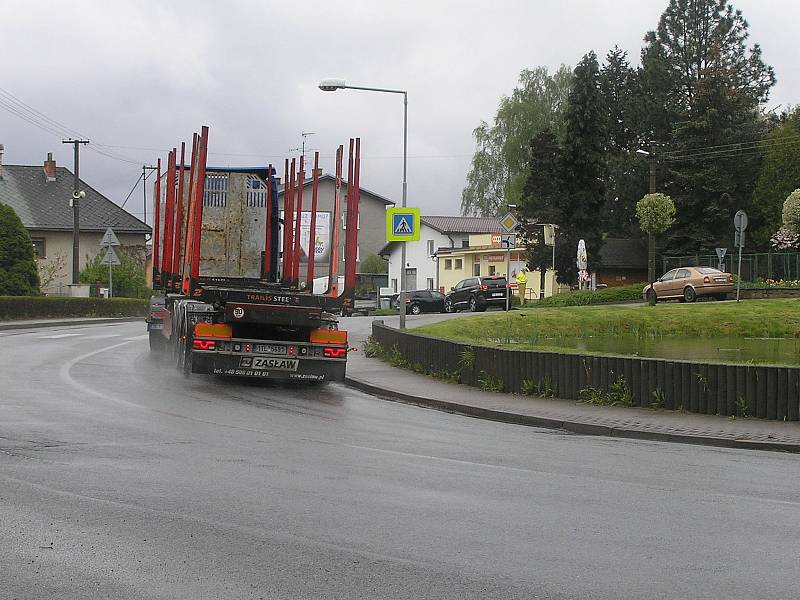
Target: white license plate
270	349
273	364
498	295
154	326
720	280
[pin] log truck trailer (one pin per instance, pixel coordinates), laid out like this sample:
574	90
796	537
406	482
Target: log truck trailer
229	296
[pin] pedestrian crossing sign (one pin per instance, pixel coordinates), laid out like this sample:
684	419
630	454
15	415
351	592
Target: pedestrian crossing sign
402	225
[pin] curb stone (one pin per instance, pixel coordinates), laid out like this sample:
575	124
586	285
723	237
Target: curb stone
570	426
10	325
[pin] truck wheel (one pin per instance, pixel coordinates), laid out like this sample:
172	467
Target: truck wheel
157	342
187	360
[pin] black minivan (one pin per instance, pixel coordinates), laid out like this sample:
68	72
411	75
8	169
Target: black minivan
478	293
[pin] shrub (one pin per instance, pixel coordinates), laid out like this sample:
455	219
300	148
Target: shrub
586	297
41	307
18	273
128	278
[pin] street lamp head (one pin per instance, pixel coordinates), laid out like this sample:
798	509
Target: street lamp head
331	85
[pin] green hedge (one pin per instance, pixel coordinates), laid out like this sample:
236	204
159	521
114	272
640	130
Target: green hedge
610	295
45	307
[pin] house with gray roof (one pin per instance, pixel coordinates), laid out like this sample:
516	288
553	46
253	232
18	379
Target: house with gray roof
435	232
41	196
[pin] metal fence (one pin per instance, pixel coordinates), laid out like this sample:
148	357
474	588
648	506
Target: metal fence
765	265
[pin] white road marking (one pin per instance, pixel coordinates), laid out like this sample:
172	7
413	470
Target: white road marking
103	337
58	336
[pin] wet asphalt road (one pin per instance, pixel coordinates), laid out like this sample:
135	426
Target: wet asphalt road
121	479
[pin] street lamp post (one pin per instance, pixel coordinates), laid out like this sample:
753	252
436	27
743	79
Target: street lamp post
332	85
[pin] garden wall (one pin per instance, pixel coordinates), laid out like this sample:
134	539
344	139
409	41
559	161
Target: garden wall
765	392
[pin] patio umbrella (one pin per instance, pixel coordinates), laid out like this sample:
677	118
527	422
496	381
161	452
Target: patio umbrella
582	264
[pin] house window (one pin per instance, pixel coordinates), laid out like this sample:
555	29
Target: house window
465	243
429	283
492	270
459	264
476	269
394	286
431	250
38	248
448	264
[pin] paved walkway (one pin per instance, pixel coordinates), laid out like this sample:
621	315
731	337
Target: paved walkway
379	378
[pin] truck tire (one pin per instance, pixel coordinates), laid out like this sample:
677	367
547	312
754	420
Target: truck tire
157	342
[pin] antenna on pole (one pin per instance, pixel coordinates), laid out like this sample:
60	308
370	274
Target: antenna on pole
302	148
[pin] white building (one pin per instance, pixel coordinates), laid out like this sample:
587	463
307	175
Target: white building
435	233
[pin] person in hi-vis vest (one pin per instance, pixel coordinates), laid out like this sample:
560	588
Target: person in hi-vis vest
522	280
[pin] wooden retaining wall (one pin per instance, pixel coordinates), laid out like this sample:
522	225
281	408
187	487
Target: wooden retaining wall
768	392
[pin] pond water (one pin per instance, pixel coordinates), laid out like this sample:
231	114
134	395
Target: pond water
779	351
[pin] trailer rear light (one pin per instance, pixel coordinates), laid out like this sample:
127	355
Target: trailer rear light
220	331
334	352
204	344
248	347
706	279
328	336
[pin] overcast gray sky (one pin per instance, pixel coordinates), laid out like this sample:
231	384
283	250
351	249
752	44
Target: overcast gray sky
139	77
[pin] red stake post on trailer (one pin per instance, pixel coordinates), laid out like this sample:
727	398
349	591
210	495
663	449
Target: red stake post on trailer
156	227
179	237
312	230
351	237
169	217
189	227
333	268
288	229
200	186
298	223
265	272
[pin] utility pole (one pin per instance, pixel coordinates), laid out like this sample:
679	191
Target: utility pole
145	168
76	196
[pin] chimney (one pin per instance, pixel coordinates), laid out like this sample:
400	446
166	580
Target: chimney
50	167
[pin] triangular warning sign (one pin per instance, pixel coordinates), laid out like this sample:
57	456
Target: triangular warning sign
402	227
109	239
110	257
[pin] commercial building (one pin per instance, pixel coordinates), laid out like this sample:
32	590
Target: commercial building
483	256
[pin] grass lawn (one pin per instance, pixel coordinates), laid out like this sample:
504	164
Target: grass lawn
750	318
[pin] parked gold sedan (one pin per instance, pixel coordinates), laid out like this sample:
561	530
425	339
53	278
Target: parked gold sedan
687	283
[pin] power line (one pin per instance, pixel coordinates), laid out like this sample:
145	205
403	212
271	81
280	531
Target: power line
20	109
131	192
732	152
732	145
